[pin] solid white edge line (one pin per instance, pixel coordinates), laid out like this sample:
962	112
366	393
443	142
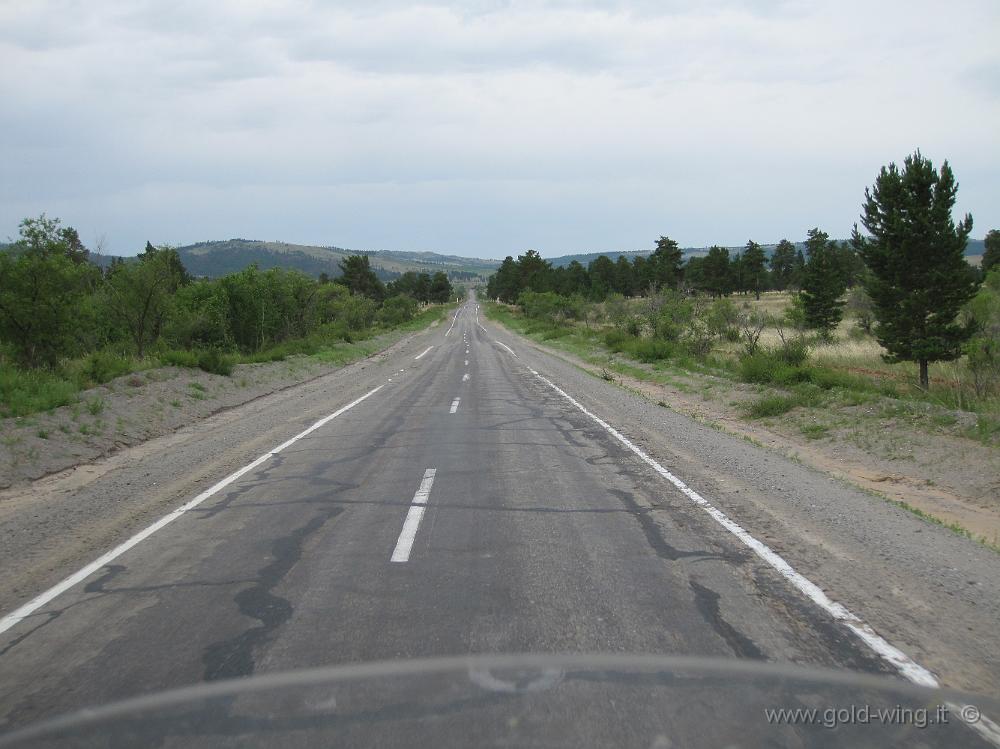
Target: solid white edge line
907	667
453	321
421	354
83	573
404	544
511	351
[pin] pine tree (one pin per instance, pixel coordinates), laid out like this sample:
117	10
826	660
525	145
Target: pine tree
717	272
753	265
991	254
919	279
665	263
782	264
822	284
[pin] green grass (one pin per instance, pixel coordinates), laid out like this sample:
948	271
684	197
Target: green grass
26	392
815	431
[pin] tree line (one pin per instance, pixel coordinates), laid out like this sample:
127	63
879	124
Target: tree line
56	304
908	269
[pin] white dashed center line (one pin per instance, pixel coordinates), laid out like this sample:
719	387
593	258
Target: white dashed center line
405	543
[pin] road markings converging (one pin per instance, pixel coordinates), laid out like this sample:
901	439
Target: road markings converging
406	536
422	353
82	574
454	405
510	350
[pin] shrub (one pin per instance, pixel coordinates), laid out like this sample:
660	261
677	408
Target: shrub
179	358
396	310
104	366
214	361
721	318
650	349
617	339
24	392
769	367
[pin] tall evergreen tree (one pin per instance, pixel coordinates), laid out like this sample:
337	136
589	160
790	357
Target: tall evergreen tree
753	266
504	284
822	284
358	276
716	271
665	263
991	254
782	264
602	277
919	279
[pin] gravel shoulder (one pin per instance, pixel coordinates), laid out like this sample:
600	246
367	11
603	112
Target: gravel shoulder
931	592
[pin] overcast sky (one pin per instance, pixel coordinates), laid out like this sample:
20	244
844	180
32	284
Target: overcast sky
486	128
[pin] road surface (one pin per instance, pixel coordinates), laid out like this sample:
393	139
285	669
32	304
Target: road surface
469	494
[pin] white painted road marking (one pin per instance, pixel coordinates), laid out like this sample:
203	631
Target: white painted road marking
454	405
902	662
406	536
509	349
422	353
453	322
82	574
465	377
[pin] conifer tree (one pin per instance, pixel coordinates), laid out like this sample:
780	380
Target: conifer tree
918	277
822	284
753	266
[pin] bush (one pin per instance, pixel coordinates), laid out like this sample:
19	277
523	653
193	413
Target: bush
179	358
396	311
210	360
214	361
98	368
776	405
650	349
617	339
24	392
770	367
721	319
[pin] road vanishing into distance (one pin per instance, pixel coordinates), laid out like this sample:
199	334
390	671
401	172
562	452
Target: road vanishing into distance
466	492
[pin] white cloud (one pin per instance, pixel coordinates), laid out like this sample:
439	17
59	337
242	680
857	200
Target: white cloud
485	127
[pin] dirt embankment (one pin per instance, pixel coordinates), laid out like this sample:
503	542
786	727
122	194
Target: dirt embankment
137	407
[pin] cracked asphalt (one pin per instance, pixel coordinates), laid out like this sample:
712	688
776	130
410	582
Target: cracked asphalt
540	533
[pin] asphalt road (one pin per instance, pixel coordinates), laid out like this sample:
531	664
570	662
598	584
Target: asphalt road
465	506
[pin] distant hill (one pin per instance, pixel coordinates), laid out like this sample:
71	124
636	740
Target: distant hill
217	258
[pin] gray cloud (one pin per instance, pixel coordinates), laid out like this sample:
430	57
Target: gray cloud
485	127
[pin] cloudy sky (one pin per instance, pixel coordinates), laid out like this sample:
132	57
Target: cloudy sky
486	128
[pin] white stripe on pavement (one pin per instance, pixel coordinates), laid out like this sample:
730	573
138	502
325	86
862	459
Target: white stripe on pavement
416	512
454	405
508	348
422	353
902	662
83	573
